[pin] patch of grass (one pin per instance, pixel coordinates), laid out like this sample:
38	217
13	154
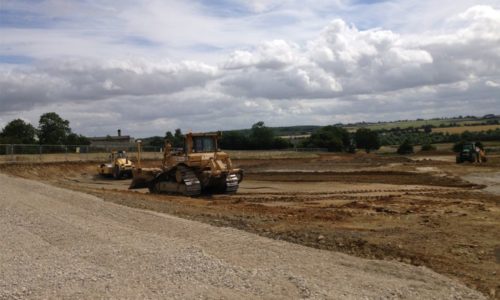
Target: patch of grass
461	129
418	123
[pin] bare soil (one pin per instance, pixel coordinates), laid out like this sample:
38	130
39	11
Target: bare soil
418	210
63	244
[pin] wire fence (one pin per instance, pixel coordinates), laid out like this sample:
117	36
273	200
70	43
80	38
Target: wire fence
12	153
59	153
309	149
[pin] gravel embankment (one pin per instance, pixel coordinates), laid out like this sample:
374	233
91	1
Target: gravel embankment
56	243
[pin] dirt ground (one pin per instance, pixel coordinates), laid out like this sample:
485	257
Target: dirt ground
63	244
421	210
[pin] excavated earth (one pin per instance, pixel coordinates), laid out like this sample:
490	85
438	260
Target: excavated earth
424	211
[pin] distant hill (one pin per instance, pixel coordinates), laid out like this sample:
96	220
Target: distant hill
285	130
436	122
303	130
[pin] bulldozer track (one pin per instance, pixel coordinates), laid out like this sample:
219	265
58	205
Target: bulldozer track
231	184
190	185
190	181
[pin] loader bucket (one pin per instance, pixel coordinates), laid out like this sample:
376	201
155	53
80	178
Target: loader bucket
142	177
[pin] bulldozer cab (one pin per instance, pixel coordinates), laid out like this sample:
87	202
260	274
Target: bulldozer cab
201	142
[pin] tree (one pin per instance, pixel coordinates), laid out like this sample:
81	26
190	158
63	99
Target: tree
333	138
52	129
178	138
367	139
428	147
280	143
77	139
405	148
233	140
427	128
261	137
467	136
156	141
169	136
18	132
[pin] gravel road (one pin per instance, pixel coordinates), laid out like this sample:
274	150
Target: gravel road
56	243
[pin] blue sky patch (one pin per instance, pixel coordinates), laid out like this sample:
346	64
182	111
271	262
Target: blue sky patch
15	59
139	41
225	8
205	48
368	1
22	19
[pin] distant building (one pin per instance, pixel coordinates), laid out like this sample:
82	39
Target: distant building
109	141
489	116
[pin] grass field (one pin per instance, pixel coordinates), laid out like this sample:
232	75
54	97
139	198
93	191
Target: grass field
460	129
410	123
417	123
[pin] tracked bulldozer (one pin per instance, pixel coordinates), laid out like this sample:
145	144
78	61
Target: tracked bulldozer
200	167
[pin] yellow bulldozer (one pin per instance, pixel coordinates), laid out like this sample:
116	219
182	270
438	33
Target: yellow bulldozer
119	166
199	167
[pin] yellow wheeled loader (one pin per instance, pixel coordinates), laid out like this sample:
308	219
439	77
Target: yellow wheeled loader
199	167
119	166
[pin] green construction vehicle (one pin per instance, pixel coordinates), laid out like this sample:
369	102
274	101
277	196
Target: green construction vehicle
471	152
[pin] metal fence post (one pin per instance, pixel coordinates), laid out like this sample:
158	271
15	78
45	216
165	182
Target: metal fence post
12	153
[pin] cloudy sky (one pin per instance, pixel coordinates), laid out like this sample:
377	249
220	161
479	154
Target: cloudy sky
151	66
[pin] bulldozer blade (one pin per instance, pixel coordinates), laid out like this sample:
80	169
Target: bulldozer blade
143	177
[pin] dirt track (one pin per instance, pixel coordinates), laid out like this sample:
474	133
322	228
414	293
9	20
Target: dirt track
60	243
417	210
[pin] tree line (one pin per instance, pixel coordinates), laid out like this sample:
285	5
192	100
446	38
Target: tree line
54	130
259	137
51	130
332	138
422	138
338	139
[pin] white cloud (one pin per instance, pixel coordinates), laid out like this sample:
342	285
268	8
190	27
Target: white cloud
77	80
491	83
341	73
343	60
268	55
